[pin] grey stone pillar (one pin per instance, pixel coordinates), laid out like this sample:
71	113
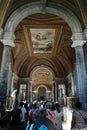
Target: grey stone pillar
5	73
78	43
7	38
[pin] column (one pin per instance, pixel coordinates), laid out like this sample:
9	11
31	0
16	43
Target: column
30	91
5	73
53	91
9	87
81	75
81	69
46	94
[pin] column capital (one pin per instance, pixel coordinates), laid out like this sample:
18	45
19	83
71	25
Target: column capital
8	42
78	39
7	38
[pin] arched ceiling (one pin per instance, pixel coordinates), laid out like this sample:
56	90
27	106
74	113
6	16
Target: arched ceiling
43	39
57	53
42	76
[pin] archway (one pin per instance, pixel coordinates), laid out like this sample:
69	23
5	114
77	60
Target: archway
35	7
41	93
42	78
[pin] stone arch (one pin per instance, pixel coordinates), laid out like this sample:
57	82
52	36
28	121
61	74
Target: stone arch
35	7
42	92
42	66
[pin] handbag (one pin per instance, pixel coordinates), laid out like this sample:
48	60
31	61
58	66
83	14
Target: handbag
85	118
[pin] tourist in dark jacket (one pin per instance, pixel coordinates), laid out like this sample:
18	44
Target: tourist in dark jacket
2	113
16	116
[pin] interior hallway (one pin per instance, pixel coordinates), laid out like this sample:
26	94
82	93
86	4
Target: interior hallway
43	52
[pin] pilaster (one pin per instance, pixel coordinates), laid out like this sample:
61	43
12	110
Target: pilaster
30	90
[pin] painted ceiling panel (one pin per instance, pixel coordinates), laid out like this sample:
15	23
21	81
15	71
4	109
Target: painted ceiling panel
42	40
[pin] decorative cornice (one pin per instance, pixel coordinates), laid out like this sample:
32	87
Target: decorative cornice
25	79
7	38
7	42
60	79
77	43
78	39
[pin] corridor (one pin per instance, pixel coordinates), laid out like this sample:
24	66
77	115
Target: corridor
43	52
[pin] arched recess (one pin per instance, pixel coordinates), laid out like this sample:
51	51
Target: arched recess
42	77
35	7
42	92
42	67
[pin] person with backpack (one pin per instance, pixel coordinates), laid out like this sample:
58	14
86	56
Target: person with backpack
41	122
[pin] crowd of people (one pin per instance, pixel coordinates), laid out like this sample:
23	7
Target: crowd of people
36	114
42	115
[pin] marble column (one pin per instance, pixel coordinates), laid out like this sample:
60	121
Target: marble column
81	71
5	73
81	75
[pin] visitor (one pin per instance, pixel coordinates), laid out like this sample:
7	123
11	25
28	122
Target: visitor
41	122
2	113
78	118
58	117
16	116
24	115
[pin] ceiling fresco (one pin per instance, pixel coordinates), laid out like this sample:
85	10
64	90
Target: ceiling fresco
42	40
41	76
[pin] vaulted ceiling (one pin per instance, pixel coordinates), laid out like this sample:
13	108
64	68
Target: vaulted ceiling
43	39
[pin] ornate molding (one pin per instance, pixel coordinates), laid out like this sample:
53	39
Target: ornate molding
78	39
7	38
7	42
